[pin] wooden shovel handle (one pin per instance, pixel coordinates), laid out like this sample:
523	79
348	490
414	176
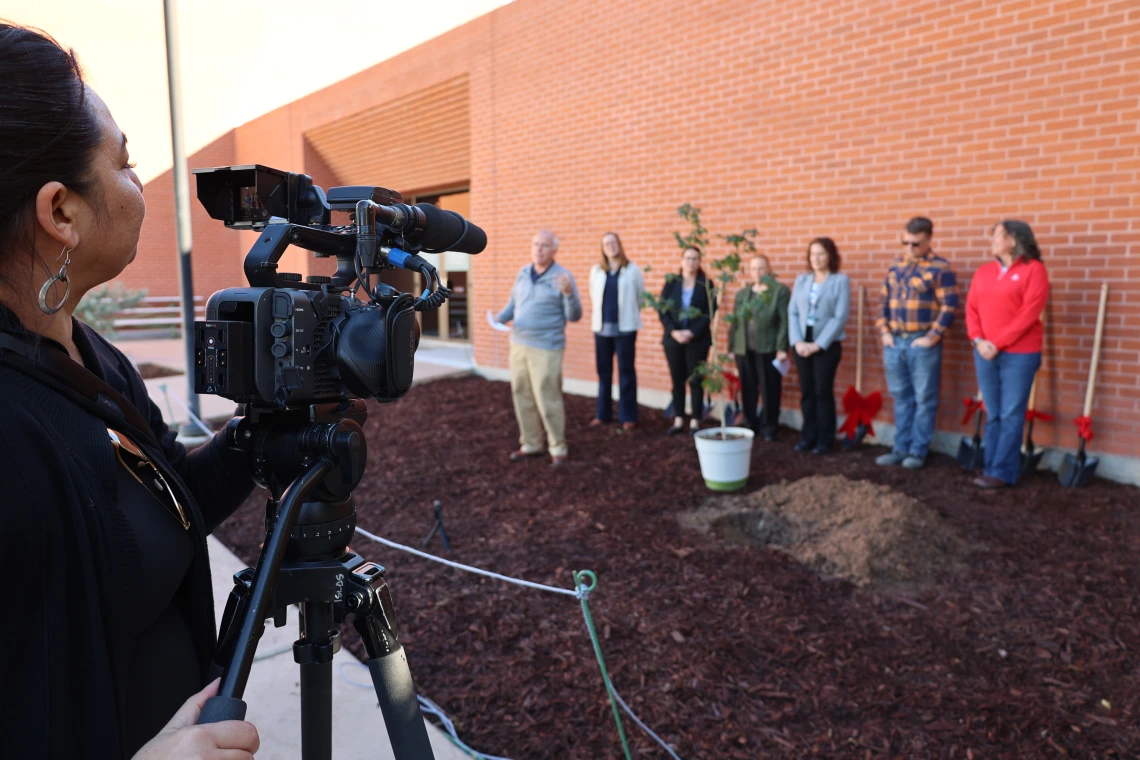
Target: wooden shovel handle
859	344
1037	375
1096	348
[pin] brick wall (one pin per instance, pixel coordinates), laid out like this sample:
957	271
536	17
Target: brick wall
822	117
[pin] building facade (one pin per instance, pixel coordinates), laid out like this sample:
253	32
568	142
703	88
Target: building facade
821	117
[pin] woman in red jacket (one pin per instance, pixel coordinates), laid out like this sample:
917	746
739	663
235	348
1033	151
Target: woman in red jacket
1003	319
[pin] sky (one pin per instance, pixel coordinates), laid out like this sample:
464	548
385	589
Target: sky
264	55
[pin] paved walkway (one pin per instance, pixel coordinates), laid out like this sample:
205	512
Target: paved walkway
274	692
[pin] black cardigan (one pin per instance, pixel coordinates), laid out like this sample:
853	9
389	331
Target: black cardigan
671	319
62	584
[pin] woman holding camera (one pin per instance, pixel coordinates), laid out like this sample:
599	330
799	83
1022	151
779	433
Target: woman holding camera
104	518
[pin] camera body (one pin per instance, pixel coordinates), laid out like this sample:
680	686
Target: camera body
285	343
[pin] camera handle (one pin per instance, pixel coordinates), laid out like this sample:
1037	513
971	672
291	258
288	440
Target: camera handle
327	589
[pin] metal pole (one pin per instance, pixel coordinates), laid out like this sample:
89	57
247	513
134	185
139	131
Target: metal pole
181	199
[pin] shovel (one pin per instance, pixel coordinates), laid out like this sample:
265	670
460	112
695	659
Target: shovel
1030	453
971	454
860	409
1077	471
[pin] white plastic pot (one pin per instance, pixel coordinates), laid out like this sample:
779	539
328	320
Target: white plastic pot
725	464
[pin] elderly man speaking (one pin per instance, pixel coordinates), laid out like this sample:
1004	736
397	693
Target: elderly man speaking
544	298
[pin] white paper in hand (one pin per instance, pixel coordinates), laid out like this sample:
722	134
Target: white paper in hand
495	325
783	367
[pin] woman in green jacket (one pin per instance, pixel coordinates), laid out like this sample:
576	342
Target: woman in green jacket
759	337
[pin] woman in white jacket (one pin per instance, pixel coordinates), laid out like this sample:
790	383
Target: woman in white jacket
616	286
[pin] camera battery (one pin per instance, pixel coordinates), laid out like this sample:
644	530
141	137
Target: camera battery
223	359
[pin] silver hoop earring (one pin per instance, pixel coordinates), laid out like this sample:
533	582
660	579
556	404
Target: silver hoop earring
61	277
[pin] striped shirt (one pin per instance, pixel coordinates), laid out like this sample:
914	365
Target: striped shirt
919	296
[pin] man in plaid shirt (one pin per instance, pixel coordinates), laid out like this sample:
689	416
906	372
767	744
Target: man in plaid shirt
919	298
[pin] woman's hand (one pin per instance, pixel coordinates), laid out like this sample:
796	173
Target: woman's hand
987	349
781	356
805	349
228	740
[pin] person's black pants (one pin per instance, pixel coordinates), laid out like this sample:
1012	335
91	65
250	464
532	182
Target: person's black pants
817	389
683	360
757	373
624	345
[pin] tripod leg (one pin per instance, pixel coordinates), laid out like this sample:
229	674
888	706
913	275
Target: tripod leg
391	676
315	651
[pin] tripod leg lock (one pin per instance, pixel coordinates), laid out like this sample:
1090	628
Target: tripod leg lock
316	653
371	600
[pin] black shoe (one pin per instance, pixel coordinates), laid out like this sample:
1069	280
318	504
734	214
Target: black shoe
821	449
768	435
804	446
676	429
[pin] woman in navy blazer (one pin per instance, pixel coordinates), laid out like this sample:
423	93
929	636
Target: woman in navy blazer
817	316
687	338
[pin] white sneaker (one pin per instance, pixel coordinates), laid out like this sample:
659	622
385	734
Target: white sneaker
913	463
890	459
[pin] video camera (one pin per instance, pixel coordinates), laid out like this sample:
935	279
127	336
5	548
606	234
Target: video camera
287	343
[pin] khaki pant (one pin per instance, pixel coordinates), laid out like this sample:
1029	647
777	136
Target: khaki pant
536	387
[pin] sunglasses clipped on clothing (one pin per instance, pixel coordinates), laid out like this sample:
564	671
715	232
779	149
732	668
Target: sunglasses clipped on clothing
139	466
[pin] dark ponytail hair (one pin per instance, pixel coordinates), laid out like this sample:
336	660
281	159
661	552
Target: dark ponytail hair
1022	234
48	129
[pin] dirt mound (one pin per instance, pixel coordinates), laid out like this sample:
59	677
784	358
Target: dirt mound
868	534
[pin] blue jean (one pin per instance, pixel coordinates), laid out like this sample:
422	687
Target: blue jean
1005	382
913	378
624	345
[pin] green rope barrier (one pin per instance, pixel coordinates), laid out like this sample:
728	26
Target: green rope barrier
584	592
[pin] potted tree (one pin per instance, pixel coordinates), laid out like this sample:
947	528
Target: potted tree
724	452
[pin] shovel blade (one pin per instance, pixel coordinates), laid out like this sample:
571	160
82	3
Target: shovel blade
1031	460
971	454
1075	473
855	440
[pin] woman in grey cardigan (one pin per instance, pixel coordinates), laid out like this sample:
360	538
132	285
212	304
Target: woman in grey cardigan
817	316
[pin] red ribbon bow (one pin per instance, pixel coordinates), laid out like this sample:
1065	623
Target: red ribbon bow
732	382
1084	427
972	405
861	410
1033	414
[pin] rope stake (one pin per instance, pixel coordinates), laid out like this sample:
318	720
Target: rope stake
584	589
585	581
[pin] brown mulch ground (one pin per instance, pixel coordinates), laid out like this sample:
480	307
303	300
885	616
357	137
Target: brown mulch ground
149	371
730	651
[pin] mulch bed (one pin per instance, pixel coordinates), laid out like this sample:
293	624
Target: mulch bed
729	651
149	371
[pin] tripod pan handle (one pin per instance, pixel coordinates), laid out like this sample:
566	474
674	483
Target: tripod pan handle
218	709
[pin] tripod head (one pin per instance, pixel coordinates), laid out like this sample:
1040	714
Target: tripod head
282	444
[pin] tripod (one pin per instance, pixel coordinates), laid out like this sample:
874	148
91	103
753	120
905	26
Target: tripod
310	460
